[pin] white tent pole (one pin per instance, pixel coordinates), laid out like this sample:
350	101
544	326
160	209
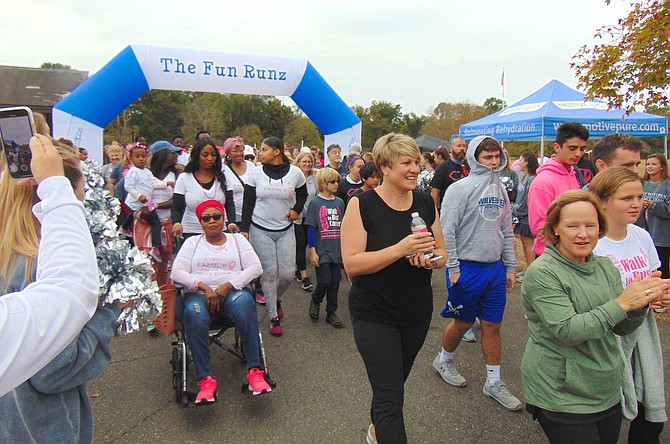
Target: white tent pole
665	147
542	149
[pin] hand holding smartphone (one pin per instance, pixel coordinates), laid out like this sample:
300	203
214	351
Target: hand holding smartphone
17	126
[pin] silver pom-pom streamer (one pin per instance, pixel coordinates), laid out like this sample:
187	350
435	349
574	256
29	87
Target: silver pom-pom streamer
125	272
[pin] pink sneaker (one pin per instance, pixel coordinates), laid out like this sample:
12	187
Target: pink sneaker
257	383
260	298
275	327
207	393
155	254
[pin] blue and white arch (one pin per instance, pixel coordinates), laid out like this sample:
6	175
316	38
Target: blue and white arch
82	115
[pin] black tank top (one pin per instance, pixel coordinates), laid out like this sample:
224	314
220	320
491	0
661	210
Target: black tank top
400	294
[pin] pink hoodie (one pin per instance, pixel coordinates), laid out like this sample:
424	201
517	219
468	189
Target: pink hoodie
552	180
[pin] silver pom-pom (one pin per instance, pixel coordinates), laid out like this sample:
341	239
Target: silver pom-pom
125	272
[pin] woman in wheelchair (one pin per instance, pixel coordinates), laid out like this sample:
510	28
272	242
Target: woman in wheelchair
215	267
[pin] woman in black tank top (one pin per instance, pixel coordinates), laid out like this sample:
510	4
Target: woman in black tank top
391	298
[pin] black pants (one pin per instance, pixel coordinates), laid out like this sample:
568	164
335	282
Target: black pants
664	257
642	431
605	431
328	276
388	353
300	245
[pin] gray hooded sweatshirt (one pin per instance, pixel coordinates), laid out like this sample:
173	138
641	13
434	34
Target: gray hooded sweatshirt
476	217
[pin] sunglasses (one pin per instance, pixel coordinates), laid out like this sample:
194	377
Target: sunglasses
334	181
216	217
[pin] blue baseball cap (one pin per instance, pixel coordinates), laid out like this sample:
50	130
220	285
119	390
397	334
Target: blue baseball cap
164	145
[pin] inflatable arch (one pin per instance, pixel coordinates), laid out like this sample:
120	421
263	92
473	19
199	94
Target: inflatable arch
82	115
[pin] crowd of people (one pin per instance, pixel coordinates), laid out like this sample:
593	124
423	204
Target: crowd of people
595	237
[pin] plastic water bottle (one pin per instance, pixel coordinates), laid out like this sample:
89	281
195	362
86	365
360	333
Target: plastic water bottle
419	226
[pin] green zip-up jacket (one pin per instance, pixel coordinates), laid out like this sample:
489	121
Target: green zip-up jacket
572	362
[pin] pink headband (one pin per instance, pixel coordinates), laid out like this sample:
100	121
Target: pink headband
203	206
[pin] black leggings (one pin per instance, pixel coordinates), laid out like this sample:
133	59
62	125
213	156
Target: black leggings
605	431
388	353
300	245
642	431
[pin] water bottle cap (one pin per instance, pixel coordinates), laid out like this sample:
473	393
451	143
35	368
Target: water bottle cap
415	214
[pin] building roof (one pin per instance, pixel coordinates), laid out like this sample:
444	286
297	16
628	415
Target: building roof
40	89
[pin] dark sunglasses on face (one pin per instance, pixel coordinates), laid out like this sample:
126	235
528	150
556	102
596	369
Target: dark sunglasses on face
216	217
334	181
249	157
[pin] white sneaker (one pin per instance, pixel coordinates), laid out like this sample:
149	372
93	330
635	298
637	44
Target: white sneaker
499	391
449	372
371	438
469	336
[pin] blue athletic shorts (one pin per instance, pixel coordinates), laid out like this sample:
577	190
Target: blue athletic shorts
480	292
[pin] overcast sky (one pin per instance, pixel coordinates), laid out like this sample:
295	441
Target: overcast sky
414	53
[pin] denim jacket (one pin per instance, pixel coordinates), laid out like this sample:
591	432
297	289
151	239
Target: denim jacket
53	405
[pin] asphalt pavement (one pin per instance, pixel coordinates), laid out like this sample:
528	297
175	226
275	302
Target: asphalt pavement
322	393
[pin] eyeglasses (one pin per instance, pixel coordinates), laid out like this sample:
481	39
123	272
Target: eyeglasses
207	218
333	181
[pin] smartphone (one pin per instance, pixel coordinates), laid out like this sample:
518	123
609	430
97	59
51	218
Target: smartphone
17	126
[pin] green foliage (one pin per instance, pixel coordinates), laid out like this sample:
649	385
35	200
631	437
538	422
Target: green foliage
204	112
251	134
158	114
380	118
632	66
447	118
302	132
52	65
494	104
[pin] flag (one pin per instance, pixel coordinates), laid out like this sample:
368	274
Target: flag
502	77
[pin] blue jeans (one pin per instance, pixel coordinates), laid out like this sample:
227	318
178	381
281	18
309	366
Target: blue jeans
238	307
328	276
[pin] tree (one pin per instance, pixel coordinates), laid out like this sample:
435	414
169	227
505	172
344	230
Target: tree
632	66
411	124
251	134
447	118
272	117
494	104
204	112
302	132
380	118
52	65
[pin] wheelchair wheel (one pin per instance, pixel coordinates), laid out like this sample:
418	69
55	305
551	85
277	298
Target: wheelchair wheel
178	374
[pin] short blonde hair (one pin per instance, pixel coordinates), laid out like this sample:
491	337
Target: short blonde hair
301	156
565	199
610	179
325	175
390	147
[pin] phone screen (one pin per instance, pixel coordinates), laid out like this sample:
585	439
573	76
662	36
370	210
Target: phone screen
16	131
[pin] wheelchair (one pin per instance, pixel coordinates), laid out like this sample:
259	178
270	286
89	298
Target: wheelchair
181	357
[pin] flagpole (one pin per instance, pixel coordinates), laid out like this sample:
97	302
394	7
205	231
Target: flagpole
502	83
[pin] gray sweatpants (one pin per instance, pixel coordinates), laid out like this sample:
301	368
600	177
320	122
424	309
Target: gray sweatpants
276	250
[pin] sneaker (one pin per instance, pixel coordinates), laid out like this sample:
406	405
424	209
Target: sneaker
501	393
207	393
334	320
372	436
307	284
280	311
151	327
298	276
469	336
275	327
257	383
660	310
260	298
449	372
314	308
155	255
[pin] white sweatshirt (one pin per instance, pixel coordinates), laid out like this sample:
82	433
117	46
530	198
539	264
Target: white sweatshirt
200	261
37	323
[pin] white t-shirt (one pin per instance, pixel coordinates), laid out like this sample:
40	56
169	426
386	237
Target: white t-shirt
194	194
164	195
200	261
140	182
274	198
234	184
633	256
183	158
